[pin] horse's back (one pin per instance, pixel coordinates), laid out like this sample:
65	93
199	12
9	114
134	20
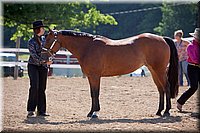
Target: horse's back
129	40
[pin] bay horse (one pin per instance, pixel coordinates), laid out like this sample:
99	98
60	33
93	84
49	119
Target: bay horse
99	57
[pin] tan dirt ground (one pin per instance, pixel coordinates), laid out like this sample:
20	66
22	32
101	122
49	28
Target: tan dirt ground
127	104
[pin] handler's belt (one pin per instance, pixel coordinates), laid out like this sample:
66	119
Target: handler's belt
198	65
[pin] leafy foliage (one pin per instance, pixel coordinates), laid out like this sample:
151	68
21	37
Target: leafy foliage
129	24
95	19
177	17
72	15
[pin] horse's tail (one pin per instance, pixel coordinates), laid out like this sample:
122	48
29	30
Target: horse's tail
173	68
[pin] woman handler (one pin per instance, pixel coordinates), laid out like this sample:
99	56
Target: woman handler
193	51
37	72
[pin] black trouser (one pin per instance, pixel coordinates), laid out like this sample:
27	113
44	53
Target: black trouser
38	80
194	77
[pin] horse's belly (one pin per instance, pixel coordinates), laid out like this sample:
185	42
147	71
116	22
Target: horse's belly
115	73
121	68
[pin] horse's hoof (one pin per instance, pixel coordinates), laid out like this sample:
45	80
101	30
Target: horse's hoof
158	114
94	116
166	114
89	115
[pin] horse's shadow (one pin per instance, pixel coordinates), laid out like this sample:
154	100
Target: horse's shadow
153	120
170	119
43	120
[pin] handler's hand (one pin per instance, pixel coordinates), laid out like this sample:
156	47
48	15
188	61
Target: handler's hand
49	62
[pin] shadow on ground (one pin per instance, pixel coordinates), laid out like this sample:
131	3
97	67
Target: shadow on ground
170	119
192	114
42	120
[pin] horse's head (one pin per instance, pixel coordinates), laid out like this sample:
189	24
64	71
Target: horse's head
52	45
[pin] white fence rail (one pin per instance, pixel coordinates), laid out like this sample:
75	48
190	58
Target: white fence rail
24	64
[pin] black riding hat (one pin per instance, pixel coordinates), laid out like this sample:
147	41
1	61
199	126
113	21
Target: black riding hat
38	24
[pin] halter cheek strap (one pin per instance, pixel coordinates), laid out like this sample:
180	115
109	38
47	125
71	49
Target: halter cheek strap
55	40
53	43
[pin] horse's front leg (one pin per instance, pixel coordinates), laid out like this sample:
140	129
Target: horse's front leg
94	90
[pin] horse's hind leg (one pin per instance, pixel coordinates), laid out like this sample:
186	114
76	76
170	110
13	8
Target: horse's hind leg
161	102
162	78
163	88
161	92
168	100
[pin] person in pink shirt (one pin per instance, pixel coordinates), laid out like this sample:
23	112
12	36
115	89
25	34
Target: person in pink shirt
193	51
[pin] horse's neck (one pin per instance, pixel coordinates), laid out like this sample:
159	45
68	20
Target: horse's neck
78	46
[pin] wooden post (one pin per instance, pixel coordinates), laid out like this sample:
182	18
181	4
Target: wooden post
17	58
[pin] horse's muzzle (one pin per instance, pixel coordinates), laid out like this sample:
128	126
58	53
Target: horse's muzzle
46	56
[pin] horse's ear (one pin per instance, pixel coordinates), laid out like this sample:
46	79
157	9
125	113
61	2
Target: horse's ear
50	30
55	28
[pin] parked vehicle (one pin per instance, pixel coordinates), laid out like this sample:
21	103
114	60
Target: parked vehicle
7	64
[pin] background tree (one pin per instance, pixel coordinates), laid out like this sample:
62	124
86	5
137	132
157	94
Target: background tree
72	15
129	24
94	18
177	17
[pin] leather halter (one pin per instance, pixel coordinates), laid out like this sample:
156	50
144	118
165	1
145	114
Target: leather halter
50	50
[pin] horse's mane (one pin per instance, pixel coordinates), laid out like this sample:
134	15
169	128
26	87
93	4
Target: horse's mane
79	34
75	33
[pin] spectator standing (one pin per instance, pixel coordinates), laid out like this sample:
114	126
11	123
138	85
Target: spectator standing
181	46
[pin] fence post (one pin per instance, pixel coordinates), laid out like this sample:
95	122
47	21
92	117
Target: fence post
17	58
